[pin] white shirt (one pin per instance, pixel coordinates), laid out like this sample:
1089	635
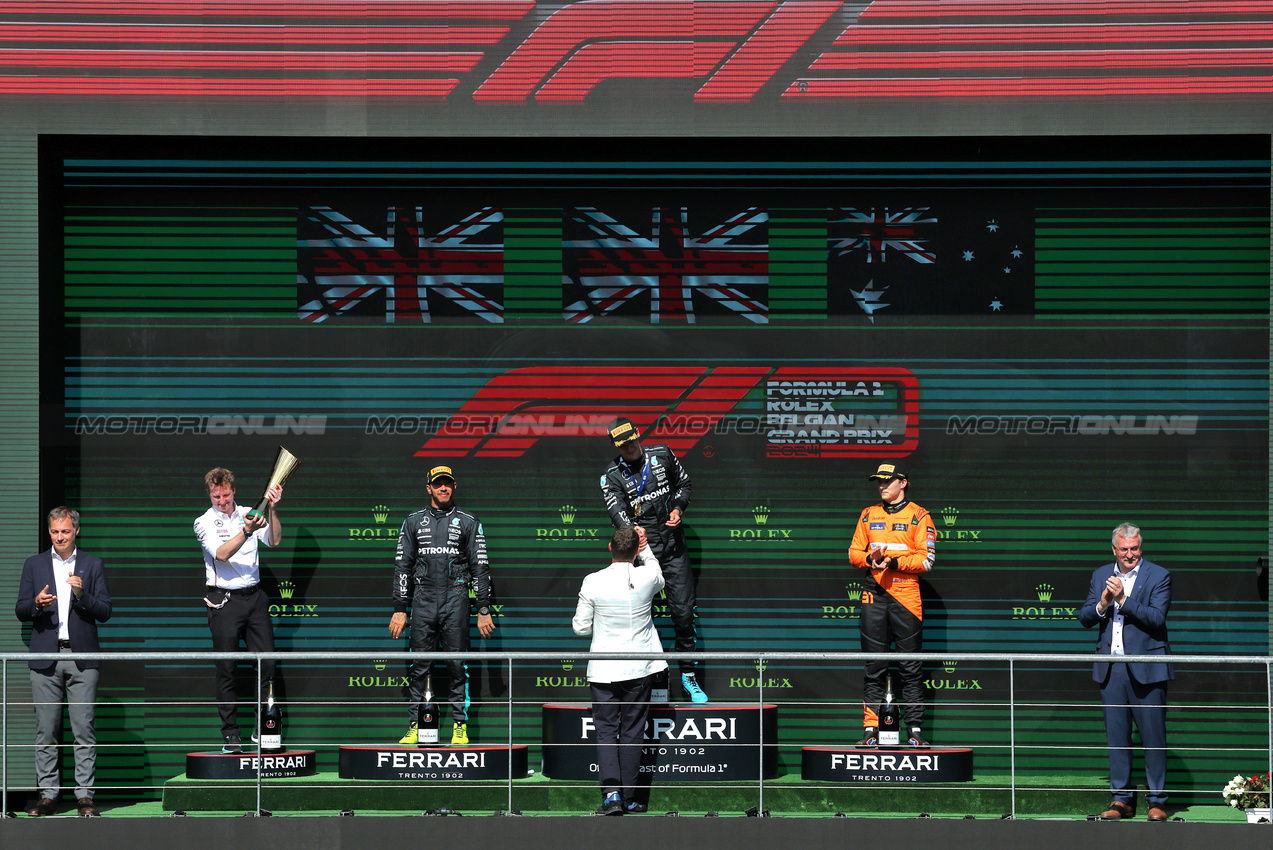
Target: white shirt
242	570
62	589
614	607
1116	631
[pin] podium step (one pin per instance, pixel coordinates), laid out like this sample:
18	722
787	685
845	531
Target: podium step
985	796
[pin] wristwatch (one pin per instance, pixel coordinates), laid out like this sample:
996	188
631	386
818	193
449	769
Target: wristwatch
484	610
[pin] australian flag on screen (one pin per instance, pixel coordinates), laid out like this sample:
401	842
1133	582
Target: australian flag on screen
665	264
399	263
940	258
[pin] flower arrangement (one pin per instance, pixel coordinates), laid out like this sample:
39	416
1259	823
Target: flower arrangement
1247	792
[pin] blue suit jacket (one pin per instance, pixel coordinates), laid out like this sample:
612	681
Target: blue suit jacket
85	612
1144	622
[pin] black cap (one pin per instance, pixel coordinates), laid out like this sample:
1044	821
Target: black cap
622	431
886	472
439	472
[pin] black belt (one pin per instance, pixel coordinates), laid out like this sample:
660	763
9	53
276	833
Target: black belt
63	644
238	591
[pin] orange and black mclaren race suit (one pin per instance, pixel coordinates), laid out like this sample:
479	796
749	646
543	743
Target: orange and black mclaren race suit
891	607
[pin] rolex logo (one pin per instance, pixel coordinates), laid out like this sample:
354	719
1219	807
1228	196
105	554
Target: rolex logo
567	514
761	513
567	664
286	589
380	513
380	663
854	591
949	515
950	666
1045	592
761	665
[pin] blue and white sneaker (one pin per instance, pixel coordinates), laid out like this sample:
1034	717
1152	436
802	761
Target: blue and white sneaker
689	684
635	807
611	805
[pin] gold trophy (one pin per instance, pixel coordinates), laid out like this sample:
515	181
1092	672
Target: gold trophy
285	464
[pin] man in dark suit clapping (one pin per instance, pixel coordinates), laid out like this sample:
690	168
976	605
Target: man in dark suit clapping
1129	600
63	594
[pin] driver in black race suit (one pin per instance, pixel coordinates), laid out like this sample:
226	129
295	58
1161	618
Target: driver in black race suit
440	549
649	487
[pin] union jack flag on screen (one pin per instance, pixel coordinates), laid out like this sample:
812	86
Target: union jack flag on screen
414	264
672	267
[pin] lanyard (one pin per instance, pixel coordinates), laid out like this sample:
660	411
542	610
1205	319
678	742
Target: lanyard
645	474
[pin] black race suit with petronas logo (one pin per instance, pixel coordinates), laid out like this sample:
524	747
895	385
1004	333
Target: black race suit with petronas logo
667	487
439	551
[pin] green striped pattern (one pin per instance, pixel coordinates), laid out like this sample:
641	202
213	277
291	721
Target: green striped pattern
21	522
532	264
222	263
1168	262
797	264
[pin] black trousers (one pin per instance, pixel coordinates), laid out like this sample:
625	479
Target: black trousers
619	712
668	545
246	617
886	621
440	622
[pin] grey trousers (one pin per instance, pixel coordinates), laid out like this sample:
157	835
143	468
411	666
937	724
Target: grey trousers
50	687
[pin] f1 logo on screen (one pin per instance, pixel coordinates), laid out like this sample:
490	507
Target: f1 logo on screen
804	411
739	45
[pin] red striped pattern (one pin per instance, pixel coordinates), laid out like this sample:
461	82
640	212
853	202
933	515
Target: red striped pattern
417	89
1086	87
1031	49
357	10
678	406
1064	8
251	48
562	35
734	50
238	60
1049	60
931	35
271	36
553	401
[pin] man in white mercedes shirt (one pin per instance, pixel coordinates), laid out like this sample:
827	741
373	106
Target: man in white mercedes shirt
614	607
237	607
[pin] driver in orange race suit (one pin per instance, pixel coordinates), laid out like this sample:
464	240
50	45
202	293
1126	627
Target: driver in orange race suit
895	543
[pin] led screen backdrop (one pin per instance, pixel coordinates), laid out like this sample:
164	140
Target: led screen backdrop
1050	336
674	66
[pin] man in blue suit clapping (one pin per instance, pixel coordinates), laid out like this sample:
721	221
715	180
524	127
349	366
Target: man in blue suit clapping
1129	600
63	595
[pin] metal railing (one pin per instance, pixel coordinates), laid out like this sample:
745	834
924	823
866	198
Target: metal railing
760	659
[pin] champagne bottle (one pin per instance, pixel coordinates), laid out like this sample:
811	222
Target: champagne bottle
427	717
890	717
271	724
658	688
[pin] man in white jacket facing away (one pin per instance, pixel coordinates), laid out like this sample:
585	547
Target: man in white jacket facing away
614	607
